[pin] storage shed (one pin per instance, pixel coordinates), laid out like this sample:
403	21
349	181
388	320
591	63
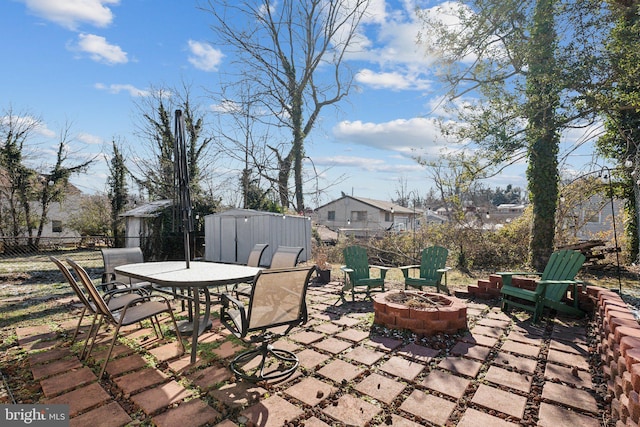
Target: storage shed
230	235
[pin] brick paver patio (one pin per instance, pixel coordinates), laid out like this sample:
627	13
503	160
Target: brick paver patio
502	372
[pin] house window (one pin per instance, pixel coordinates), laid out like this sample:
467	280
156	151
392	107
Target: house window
358	216
387	216
56	226
331	216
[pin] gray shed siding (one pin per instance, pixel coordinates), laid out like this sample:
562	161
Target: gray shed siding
230	236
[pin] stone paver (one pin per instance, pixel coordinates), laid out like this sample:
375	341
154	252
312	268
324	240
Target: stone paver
273	411
446	383
340	371
81	399
110	415
227	349
398	421
311	391
555	416
364	355
166	351
525	338
500	400
569	347
58	384
418	352
193	413
509	379
352	411
383	343
474	418
160	397
332	345
238	394
354	335
520	348
574	376
209	377
306	337
125	364
139	380
479	339
429	407
521	363
570	396
489	331
380	388
570	359
49	355
402	368
460	365
346	321
309	358
53	368
470	350
327	328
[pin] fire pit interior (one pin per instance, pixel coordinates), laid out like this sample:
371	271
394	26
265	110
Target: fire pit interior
424	313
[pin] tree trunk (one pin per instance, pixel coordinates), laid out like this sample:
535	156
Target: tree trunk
542	134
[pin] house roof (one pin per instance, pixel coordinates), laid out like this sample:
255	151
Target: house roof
148	210
380	204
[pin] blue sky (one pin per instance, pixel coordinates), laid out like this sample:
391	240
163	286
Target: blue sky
85	63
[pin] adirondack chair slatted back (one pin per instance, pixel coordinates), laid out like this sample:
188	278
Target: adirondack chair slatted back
355	258
434	258
563	265
567	264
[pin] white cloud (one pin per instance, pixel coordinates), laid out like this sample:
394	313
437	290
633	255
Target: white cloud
409	137
117	88
368	164
71	13
90	139
394	80
100	50
204	57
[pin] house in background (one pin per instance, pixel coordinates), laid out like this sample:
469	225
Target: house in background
361	217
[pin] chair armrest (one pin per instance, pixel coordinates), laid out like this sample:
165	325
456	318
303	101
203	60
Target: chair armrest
383	270
346	269
114	292
226	302
406	267
444	270
108	277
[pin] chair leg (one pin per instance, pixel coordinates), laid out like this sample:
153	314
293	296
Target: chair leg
75	333
90	337
265	351
106	360
93	341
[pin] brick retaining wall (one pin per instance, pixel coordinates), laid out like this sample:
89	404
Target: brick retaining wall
619	350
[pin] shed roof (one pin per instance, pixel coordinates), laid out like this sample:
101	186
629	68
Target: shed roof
380	204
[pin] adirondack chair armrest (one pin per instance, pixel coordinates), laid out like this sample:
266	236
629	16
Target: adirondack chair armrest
444	270
406	268
383	270
346	269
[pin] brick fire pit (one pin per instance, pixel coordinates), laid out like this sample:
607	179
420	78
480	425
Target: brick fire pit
424	313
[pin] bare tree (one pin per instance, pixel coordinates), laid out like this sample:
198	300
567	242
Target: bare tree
292	55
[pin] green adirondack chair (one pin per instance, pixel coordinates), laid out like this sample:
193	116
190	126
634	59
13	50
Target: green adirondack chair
432	268
357	272
558	275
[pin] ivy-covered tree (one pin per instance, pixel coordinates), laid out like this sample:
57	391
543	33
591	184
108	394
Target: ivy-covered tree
117	193
620	102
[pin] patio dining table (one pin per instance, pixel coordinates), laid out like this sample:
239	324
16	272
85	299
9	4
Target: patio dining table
199	276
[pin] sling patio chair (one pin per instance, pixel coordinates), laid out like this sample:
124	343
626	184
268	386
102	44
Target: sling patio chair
432	268
551	289
357	270
136	311
286	256
276	305
116	300
114	257
255	256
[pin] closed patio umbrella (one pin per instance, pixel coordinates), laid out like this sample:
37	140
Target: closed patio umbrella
181	182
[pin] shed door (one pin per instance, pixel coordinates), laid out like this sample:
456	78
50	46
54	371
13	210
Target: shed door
228	251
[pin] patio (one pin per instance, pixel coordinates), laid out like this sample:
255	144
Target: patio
503	372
